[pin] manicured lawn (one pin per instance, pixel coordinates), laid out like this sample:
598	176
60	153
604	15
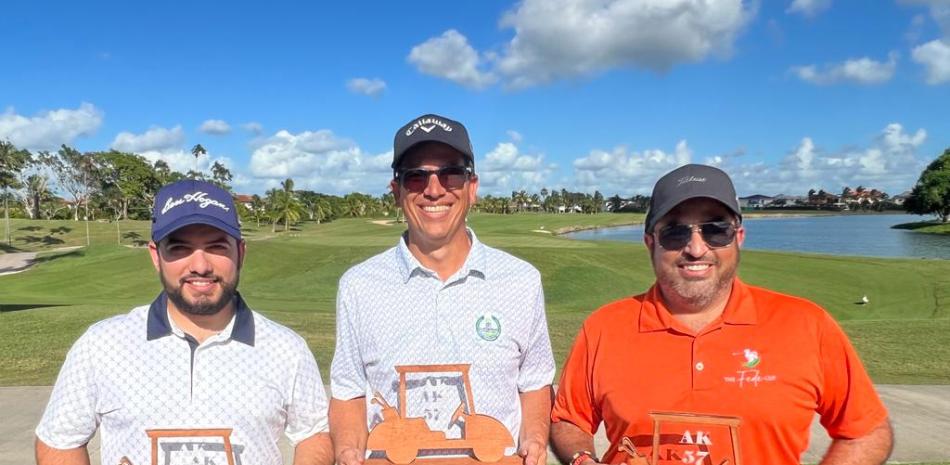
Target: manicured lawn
929	227
903	335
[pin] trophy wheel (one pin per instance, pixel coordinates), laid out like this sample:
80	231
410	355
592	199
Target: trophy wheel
488	452
401	454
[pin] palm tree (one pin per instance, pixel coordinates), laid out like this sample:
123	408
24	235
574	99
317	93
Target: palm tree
37	190
284	205
198	151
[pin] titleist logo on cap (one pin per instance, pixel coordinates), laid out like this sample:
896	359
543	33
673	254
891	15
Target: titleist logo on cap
686	179
201	198
427	125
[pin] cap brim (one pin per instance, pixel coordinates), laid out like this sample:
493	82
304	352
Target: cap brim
664	209
397	159
158	235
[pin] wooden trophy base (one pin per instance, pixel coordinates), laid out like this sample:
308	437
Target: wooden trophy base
506	460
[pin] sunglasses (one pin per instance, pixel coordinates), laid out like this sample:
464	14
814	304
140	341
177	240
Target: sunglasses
450	177
716	234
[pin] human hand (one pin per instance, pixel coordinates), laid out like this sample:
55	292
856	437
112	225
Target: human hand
534	452
350	456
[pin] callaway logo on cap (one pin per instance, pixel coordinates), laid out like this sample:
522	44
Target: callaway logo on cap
432	128
188	202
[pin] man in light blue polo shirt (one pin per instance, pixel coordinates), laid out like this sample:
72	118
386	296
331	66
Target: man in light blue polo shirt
440	297
197	376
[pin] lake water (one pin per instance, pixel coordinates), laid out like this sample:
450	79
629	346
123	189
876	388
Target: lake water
865	235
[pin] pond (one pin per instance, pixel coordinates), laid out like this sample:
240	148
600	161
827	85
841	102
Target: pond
864	235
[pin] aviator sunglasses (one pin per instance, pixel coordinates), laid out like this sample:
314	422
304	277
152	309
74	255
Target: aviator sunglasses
451	177
716	234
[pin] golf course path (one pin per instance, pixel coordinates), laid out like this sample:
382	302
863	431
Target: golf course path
19	261
15	262
920	415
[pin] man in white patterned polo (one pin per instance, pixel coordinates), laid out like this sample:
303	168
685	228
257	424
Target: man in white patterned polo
440	297
196	375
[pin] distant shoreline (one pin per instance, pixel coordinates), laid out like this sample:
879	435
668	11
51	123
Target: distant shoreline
747	215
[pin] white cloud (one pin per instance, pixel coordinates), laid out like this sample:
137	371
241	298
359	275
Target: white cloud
857	70
889	163
607	34
626	173
450	56
369	87
935	57
505	169
939	11
253	127
156	139
808	7
215	127
320	161
49	130
168	145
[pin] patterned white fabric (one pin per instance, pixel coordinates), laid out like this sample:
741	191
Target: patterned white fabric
138	371
393	311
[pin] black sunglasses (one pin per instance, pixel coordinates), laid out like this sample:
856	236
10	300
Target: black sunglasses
451	177
716	234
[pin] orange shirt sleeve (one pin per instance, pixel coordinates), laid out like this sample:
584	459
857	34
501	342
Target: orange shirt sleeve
574	402
849	405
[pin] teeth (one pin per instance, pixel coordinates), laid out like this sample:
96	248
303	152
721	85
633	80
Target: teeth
696	267
436	208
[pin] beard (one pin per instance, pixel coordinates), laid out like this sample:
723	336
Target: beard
697	293
204	305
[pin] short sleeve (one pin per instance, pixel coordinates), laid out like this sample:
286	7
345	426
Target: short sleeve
307	412
537	360
574	402
849	406
347	374
70	419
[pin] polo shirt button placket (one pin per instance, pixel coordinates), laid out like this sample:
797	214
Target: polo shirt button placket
699	366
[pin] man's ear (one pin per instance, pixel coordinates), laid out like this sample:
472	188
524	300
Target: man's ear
242	251
473	189
649	241
394	188
154	254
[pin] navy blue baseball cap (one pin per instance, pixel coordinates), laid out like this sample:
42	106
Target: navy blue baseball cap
188	202
432	128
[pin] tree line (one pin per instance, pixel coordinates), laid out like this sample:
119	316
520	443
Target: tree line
117	185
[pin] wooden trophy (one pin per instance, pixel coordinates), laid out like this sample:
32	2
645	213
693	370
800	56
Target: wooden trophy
634	457
401	438
155	434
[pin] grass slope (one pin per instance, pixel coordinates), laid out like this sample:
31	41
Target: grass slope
903	335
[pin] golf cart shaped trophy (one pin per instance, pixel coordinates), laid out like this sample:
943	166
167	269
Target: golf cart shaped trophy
401	438
697	457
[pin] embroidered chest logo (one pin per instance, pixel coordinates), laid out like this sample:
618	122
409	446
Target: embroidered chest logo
749	372
488	327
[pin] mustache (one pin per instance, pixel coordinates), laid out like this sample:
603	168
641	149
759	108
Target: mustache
210	276
687	259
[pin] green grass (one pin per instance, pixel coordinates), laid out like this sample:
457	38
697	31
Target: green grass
929	227
903	335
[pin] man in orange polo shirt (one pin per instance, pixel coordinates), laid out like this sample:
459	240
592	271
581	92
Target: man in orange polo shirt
702	342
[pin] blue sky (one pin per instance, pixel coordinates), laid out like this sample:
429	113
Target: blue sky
785	95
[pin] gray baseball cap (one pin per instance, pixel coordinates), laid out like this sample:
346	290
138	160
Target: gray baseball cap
689	182
432	128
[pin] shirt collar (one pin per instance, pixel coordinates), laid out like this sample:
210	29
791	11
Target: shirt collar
158	326
740	309
410	266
